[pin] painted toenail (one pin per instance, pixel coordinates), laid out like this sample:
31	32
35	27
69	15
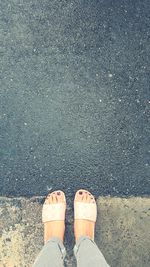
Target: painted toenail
58	193
80	192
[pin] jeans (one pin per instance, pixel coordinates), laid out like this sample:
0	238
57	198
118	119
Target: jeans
86	252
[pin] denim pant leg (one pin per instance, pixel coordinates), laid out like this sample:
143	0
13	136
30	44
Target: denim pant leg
88	254
52	254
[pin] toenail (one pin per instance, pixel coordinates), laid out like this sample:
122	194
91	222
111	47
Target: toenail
80	192
58	193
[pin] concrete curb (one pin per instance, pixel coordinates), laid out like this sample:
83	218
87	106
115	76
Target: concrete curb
121	231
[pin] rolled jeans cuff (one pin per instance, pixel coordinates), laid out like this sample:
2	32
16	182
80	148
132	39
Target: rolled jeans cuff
60	245
78	243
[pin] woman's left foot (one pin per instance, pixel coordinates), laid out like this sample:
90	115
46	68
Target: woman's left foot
53	215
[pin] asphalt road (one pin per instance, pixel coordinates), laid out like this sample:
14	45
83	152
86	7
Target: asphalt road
74	92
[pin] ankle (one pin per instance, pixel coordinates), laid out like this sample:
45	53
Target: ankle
84	228
54	229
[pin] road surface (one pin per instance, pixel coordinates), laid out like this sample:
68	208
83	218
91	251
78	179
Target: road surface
75	97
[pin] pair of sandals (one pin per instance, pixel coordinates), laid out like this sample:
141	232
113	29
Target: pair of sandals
83	210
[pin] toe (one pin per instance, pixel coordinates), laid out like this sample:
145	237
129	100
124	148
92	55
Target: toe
61	196
92	199
88	198
51	199
54	196
79	195
47	200
84	199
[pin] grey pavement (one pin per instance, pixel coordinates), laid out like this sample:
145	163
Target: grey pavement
122	231
74	97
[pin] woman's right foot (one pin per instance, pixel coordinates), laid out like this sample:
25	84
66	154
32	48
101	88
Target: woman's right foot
55	226
85	215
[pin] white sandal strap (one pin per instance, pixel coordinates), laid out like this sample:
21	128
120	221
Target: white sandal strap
53	212
85	211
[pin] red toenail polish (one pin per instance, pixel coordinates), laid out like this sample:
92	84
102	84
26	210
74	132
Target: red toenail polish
58	193
80	192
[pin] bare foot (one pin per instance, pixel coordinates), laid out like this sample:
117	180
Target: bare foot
84	227
54	228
